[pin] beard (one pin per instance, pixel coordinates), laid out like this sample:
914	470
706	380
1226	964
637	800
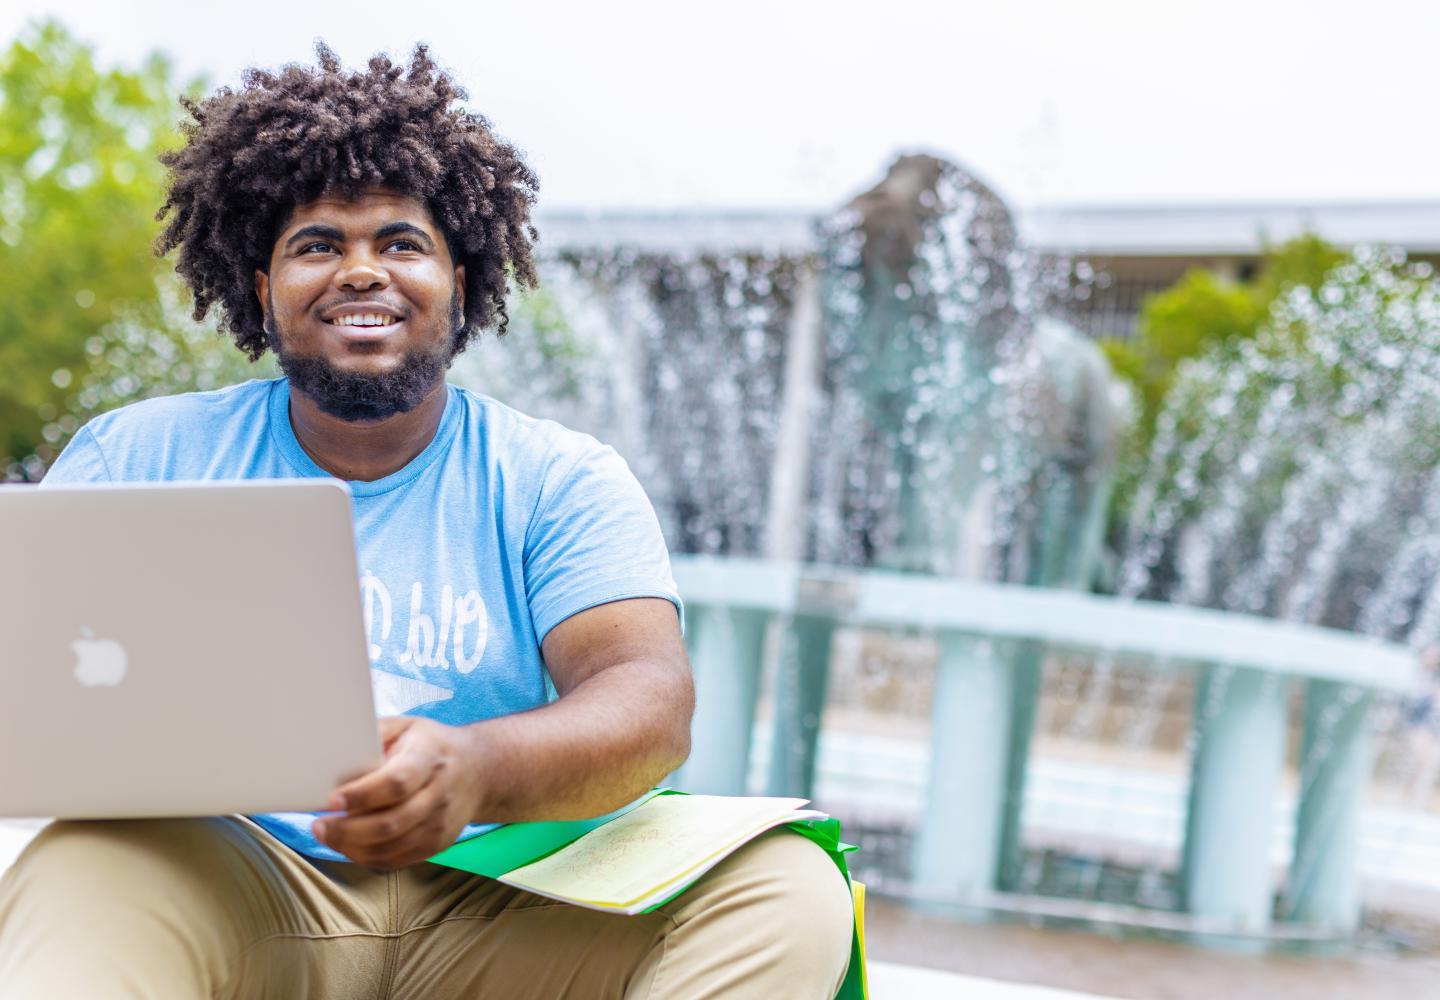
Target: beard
357	397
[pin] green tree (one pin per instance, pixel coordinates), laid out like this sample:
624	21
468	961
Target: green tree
1201	315
1293	473
91	318
1204	310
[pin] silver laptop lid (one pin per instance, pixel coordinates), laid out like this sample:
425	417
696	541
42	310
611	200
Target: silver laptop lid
180	649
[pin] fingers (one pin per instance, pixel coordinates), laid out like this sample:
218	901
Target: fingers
366	830
414	847
410	807
411	766
391	727
404	834
419	843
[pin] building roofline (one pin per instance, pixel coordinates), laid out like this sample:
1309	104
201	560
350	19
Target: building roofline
1229	229
1177	229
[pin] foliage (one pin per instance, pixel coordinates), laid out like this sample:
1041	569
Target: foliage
1294	473
84	295
1203	310
1199	310
546	328
1201	314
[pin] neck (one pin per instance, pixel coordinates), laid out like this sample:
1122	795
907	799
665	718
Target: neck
365	452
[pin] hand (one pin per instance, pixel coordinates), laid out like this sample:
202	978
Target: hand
414	804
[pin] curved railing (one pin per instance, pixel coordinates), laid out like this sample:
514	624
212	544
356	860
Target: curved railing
991	637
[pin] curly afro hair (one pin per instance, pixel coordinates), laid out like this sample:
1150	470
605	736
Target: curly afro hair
251	156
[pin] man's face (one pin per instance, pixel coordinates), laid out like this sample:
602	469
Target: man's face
362	302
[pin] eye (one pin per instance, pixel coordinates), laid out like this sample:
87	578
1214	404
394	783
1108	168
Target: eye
317	248
403	246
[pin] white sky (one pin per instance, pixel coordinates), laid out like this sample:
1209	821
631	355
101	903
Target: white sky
744	103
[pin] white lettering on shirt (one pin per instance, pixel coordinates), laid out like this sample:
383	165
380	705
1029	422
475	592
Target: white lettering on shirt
371	590
447	605
426	643
470	609
420	643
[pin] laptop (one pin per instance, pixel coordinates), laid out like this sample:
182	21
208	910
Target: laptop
180	649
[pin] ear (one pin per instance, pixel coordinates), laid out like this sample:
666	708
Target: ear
460	287
262	292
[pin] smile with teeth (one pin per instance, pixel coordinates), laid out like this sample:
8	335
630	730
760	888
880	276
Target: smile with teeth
364	319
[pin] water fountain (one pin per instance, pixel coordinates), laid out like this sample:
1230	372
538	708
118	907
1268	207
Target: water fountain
890	394
1295	476
876	422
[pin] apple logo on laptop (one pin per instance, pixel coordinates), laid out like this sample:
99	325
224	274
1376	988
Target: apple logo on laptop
98	662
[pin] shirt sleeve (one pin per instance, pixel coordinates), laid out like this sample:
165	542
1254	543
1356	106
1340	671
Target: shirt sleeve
82	461
594	538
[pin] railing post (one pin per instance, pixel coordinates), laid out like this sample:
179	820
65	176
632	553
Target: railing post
959	845
1235	775
1324	886
726	649
1027	674
800	686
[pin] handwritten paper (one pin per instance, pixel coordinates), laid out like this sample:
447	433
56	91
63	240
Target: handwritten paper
654	851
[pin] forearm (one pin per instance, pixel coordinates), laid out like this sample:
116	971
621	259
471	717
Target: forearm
621	724
600	746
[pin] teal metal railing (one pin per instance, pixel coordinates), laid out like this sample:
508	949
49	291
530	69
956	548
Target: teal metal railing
992	638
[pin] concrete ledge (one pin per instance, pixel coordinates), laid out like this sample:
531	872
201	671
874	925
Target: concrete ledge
892	982
14	835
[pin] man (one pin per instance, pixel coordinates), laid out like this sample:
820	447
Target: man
365	231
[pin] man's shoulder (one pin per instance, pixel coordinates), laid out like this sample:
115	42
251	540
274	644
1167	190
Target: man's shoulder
521	437
189	410
194	435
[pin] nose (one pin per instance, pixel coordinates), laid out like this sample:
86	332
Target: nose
361	271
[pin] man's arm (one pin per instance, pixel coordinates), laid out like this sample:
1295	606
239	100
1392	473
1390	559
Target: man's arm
622	723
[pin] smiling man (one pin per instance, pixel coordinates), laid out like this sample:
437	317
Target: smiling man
365	230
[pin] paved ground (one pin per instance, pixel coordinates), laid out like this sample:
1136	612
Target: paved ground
904	982
1138	969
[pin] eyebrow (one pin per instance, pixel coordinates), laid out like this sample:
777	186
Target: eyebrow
321	231
315	231
405	229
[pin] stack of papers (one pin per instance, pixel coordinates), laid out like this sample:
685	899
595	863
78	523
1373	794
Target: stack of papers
631	860
655	851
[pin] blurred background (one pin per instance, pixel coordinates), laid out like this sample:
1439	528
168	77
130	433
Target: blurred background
1042	402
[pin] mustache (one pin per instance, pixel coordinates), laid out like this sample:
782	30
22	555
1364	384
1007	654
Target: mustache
356	299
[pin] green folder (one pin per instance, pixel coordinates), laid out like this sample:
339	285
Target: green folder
515	845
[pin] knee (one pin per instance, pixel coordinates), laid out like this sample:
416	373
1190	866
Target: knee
85	842
794	875
64	845
791	891
91	904
789	866
93	857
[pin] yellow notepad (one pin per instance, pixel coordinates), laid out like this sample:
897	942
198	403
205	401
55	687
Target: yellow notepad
654	851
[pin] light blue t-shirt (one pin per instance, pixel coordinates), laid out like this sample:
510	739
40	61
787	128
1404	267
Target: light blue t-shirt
501	528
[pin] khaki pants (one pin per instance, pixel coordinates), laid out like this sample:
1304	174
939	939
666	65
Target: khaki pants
162	909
